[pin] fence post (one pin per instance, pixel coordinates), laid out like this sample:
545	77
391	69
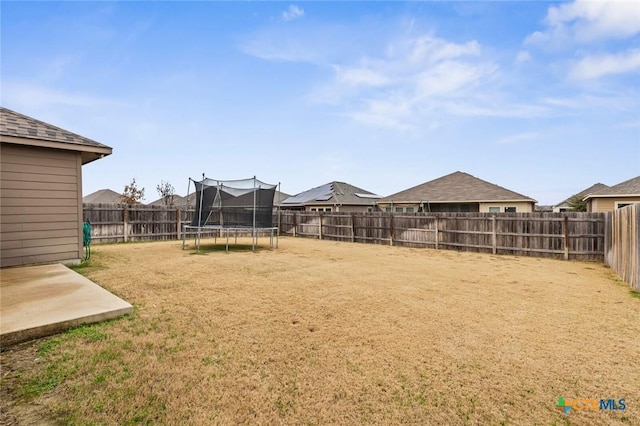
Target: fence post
295	223
566	237
279	221
391	230
494	238
353	228
437	219
125	218
319	225
179	222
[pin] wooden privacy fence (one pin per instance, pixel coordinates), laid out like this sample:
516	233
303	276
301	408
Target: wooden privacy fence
113	223
622	243
613	237
577	236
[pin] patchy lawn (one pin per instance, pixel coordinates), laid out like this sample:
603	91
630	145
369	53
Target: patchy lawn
320	332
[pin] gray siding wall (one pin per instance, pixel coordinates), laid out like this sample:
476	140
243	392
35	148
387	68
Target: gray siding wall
40	205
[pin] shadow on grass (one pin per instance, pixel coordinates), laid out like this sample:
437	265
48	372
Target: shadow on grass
222	248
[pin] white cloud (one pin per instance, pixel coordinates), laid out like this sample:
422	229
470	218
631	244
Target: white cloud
496	108
431	49
612	102
595	66
522	57
404	83
447	78
391	112
359	76
584	21
294	12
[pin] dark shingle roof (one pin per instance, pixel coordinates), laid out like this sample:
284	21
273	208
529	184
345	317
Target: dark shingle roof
591	190
456	187
629	187
19	125
333	193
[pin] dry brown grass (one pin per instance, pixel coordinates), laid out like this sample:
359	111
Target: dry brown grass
320	332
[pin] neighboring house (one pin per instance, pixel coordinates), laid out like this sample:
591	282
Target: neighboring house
332	197
564	205
41	190
457	192
279	197
543	208
103	196
177	201
620	195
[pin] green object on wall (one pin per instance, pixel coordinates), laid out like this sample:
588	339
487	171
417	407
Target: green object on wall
86	239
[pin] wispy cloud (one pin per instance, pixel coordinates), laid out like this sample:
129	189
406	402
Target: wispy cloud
584	101
522	57
404	83
293	12
584	21
598	65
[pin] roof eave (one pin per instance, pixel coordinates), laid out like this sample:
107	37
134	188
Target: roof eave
89	152
609	196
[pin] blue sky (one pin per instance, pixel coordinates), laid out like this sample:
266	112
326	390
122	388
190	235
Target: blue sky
542	98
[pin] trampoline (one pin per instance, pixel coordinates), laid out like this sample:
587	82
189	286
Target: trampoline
227	207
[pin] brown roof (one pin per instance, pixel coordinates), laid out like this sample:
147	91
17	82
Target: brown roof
591	190
14	124
628	188
456	187
103	196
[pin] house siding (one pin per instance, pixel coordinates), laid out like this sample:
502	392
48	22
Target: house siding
607	204
40	205
520	207
435	207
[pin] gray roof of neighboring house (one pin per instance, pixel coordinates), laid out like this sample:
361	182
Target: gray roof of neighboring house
333	193
591	190
15	124
279	197
628	188
456	187
178	201
103	196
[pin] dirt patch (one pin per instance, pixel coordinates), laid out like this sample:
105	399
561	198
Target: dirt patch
323	332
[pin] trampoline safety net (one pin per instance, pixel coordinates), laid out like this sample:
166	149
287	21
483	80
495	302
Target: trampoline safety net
233	203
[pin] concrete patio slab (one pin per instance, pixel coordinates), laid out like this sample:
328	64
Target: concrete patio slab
37	301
